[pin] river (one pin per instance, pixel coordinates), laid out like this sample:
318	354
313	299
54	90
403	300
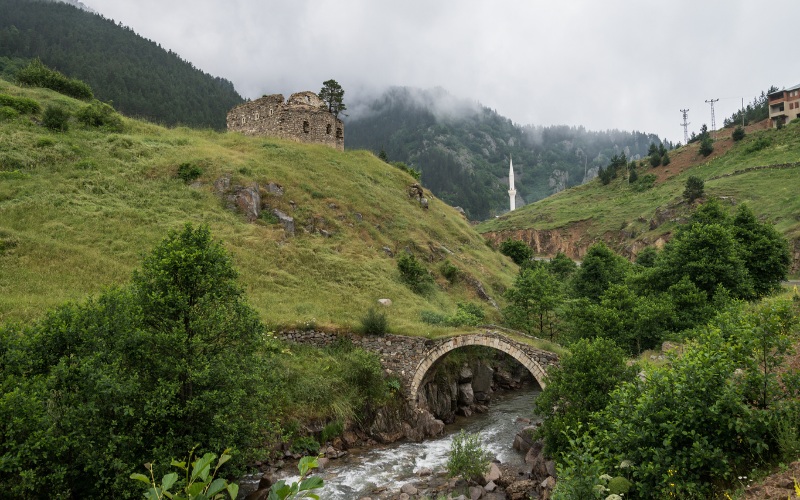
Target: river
391	466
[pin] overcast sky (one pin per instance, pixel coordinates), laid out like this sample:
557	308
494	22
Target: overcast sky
624	64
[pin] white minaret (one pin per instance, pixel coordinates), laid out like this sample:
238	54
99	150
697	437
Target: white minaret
512	193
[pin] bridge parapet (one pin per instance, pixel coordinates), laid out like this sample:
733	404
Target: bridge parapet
410	358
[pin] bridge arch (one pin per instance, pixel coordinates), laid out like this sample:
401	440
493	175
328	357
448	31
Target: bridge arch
510	347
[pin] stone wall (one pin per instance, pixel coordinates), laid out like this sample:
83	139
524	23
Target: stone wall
410	358
303	118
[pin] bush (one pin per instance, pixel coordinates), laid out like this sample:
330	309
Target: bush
517	250
37	74
100	115
21	104
467	314
450	272
8	113
416	174
414	274
374	323
694	188
305	445
188	172
706	146
56	118
738	134
468	459
433	318
644	182
758	144
580	386
331	430
665	160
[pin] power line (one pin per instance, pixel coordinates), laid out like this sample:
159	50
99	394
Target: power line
685	126
713	121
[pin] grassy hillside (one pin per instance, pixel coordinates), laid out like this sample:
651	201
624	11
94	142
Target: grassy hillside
79	209
631	219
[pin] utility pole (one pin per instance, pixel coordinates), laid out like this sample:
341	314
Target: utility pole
713	121
685	126
742	112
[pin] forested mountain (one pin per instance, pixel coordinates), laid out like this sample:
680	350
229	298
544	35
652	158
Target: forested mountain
463	148
141	78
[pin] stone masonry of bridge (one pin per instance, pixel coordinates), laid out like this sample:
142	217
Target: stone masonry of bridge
410	358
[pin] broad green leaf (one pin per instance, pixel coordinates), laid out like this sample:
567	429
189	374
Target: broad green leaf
195	489
224	458
311	483
306	464
140	477
175	463
233	490
202	466
215	487
168	480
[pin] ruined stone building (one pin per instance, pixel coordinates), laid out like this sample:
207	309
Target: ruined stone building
304	118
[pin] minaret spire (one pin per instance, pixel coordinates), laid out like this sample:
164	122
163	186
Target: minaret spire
512	193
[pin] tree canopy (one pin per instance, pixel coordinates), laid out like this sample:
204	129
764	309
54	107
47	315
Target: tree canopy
333	95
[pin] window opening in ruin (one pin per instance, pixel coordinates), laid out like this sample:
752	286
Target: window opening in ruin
328	129
305	127
338	133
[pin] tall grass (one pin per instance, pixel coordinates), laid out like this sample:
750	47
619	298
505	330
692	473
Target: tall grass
83	207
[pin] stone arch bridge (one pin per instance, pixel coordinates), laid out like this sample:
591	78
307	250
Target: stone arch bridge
410	358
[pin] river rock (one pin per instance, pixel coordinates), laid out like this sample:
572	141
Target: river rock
521	490
409	489
425	425
350	439
424	472
475	492
524	439
490	486
465	395
492	475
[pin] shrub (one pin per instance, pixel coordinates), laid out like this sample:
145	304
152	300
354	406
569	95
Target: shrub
758	144
644	182
37	74
331	430
100	115
694	188
21	104
197	485
633	176
706	146
8	113
517	250
374	323
665	159
56	118
188	172
467	314
468	459
655	160
416	174
414	274
450	272
433	318
305	445
738	134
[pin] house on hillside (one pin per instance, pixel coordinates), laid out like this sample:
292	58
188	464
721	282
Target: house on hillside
784	105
